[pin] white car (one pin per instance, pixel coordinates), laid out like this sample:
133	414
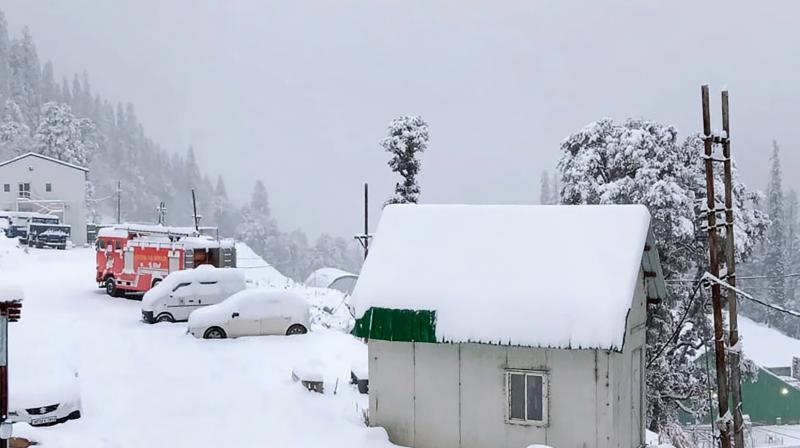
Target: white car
183	292
43	393
252	312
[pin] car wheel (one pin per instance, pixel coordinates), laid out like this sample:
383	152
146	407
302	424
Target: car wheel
296	329
166	317
155	282
111	287
215	333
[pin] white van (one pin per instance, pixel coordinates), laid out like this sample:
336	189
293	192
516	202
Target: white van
182	292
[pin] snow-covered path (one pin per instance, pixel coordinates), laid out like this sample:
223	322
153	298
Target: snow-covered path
153	385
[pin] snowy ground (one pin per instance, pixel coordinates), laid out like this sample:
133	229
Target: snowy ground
154	385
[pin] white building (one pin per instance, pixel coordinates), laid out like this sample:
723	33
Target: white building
37	183
508	326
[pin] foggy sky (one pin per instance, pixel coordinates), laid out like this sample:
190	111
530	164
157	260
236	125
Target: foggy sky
299	93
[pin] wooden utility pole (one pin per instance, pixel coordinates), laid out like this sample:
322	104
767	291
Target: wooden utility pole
364	239
194	212
730	265
716	293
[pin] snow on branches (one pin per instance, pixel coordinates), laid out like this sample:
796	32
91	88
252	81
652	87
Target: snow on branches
407	136
643	162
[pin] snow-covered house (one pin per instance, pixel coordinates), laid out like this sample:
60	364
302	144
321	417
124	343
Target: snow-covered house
37	183
332	278
506	326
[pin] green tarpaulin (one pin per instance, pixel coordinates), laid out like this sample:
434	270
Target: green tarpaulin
397	325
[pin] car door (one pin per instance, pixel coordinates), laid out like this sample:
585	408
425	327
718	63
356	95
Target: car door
209	292
274	317
182	300
245	319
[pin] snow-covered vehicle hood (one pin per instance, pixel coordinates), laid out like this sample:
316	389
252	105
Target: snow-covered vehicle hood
152	296
212	314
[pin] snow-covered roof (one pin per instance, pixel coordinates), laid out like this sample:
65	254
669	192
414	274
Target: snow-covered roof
42	156
112	232
546	276
324	277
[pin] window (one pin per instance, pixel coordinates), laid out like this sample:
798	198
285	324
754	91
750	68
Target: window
101	244
527	397
48	187
25	190
181	285
6	188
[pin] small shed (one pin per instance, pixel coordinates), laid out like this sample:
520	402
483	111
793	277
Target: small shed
506	326
332	278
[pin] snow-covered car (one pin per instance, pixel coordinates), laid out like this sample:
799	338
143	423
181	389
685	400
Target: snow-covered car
252	312
43	393
183	292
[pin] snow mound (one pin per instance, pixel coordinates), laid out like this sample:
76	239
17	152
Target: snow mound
766	346
257	271
549	276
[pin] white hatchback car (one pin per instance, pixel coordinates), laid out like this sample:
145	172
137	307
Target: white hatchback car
43	393
252	312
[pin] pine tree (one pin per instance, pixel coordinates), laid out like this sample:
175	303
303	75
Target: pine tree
25	77
50	90
407	137
5	49
792	240
545	195
775	257
66	94
257	226
221	208
555	189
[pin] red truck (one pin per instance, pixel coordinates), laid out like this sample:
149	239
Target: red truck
132	258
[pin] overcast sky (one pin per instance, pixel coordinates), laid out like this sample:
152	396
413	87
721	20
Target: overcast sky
298	93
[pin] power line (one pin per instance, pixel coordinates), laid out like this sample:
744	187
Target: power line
738	277
711	278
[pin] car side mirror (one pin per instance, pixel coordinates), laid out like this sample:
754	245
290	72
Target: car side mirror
234	315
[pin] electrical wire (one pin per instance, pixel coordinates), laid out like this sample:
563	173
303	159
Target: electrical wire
679	327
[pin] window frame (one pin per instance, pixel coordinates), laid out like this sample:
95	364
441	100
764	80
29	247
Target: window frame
181	285
6	188
544	375
24	190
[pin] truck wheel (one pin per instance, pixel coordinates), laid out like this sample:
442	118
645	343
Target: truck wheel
166	317
215	333
111	287
296	329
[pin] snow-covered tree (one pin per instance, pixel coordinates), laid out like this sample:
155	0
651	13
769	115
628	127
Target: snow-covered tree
60	135
50	90
66	93
407	136
4	58
14	133
643	162
25	74
775	256
792	240
545	195
257	226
